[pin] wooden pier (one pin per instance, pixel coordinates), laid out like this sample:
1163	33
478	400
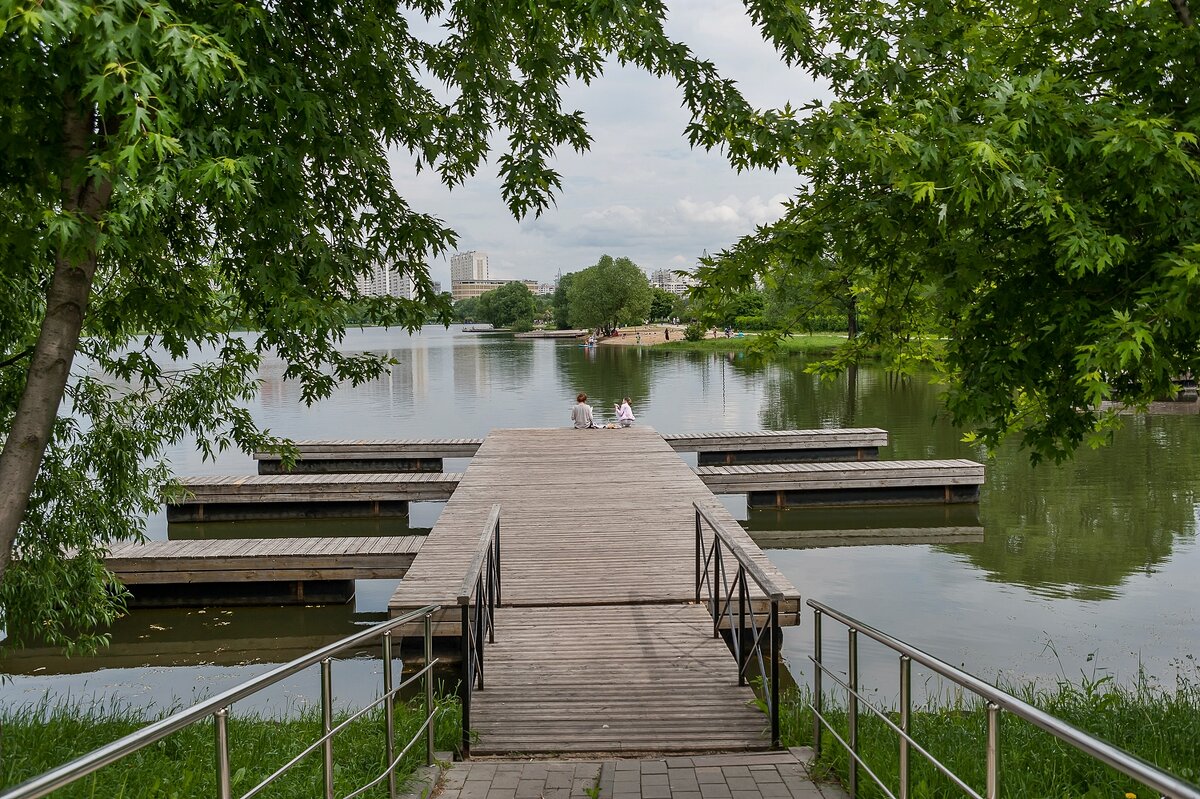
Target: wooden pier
600	644
857	483
284	496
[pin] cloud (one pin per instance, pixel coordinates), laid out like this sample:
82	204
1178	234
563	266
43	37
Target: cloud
733	213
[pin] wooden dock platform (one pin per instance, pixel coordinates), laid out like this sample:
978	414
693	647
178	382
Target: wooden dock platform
263	559
867	482
598	566
227	498
370	455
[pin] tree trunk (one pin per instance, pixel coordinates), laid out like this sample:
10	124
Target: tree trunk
852	318
58	339
1182	12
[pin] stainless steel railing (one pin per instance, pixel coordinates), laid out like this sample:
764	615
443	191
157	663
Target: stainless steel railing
480	593
218	708
998	702
749	633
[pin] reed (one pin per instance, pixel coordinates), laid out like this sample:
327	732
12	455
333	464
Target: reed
1157	723
38	737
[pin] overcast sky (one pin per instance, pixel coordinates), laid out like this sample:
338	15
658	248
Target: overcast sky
640	191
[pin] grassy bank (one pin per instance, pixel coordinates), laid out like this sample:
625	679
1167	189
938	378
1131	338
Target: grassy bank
38	738
814	343
1161	726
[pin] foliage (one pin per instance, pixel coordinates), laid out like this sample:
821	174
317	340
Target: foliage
612	293
662	302
813	344
509	305
42	736
694	332
1020	178
467	310
170	174
562	302
1150	721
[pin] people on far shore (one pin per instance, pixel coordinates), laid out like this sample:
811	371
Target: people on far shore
581	414
624	413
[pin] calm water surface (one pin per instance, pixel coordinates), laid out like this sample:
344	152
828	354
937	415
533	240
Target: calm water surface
1087	569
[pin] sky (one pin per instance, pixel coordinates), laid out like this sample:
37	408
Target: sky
639	191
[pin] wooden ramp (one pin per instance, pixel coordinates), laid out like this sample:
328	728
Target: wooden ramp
254	559
598	565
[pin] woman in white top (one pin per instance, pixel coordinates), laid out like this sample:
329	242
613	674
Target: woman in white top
581	414
624	413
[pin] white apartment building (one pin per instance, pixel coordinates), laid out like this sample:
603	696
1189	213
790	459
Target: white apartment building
383	282
470	265
667	280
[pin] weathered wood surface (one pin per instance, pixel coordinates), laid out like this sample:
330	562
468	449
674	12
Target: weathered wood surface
594	687
873	537
598	647
252	488
588	517
850	475
864	438
844	438
263	559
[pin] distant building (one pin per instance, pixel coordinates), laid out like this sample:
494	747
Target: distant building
667	280
471	265
545	289
382	281
465	289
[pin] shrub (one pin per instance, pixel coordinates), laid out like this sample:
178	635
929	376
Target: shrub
694	331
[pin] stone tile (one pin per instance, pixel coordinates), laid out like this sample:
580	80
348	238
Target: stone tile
628	765
587	771
774	790
502	793
530	789
679	762
735	771
682	779
509	768
475	789
747	795
709	774
559	779
454	779
764	776
654	767
686	795
448	794
580	787
740	783
656	791
482	771
506	779
534	771
556	793
715	790
655	779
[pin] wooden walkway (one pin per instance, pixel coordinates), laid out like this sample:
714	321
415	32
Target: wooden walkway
263	559
598	565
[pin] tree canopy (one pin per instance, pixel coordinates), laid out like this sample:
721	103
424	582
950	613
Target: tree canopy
1016	178
511	304
170	174
614	292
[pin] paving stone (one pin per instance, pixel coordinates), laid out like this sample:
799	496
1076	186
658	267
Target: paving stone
628	765
506	779
735	771
683	780
448	794
534	771
709	774
502	793
774	790
715	790
475	789
509	768
654	767
740	783
747	795
764	776
679	762
656	791
556	793
587	771
454	778
530	789
686	795
655	779
482	771
559	779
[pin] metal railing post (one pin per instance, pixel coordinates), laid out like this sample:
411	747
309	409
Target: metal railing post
776	642
699	554
718	587
480	639
852	714
327	723
739	648
905	721
818	703
430	733
993	751
224	781
497	553
389	713
468	680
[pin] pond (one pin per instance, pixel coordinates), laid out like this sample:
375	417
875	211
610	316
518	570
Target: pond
1088	569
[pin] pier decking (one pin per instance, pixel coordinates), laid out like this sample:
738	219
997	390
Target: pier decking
598	564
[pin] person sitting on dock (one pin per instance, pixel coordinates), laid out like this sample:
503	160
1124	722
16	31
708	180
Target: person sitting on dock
581	414
624	413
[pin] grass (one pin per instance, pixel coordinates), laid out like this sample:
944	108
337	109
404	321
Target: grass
1161	726
815	342
36	738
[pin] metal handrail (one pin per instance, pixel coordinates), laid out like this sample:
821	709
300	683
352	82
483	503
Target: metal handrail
480	591
218	708
712	572
1168	785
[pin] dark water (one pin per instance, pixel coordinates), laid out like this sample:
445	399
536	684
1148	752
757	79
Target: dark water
1090	568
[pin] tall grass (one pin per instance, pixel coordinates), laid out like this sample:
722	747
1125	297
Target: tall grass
35	738
1160	725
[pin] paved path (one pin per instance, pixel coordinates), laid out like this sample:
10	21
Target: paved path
760	775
